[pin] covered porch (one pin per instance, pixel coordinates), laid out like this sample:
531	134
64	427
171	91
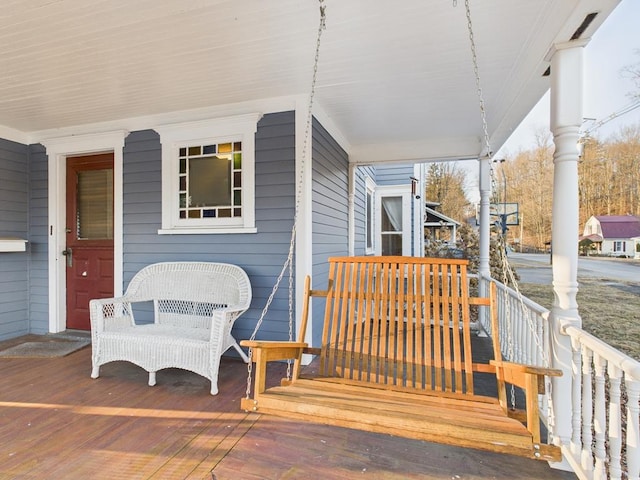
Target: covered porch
396	86
59	423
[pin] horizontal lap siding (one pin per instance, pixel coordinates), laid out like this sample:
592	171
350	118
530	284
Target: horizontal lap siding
38	240
330	185
393	174
14	207
261	255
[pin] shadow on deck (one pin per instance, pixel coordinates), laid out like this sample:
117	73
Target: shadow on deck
56	422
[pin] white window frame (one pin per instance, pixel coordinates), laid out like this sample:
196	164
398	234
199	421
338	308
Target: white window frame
619	246
403	191
240	128
369	228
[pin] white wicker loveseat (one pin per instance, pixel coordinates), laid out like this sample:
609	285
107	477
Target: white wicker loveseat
195	305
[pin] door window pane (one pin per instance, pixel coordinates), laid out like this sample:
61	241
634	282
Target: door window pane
391	214
95	205
391	243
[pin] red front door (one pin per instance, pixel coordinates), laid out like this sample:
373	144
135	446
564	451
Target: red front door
89	250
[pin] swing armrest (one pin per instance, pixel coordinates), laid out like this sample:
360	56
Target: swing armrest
266	351
524	368
274	350
531	379
523	375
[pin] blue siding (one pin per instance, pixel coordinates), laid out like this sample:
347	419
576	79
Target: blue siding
14	207
393	174
38	240
329	211
261	254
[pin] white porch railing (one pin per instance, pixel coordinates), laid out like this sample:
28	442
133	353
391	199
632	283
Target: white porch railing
604	408
605	441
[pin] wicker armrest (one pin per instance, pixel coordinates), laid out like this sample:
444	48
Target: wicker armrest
110	311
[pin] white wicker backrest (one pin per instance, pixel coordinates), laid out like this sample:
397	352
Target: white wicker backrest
185	293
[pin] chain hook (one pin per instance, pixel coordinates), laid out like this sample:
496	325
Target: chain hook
323	15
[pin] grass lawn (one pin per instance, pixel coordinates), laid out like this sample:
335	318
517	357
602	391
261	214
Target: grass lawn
609	311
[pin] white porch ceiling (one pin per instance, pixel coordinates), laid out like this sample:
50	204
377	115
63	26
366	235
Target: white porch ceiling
395	77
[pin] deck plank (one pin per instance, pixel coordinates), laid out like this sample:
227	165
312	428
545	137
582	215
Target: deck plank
57	422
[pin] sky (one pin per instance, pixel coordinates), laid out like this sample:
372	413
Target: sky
615	45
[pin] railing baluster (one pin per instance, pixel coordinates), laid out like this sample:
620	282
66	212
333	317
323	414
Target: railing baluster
599	420
576	400
615	423
587	410
541	332
633	428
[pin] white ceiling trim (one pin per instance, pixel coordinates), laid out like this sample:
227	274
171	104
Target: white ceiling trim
328	123
429	150
14	135
267	105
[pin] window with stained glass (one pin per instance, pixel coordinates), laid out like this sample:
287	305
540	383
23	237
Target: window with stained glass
208	175
210	181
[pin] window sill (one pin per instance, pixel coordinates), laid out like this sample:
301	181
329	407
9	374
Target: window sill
206	231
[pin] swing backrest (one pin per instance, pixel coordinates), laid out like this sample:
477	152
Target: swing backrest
399	321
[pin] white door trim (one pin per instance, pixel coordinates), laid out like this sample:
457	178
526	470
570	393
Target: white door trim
58	149
403	191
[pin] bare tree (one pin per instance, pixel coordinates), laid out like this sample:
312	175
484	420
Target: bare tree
445	185
610	174
529	181
624	150
633	72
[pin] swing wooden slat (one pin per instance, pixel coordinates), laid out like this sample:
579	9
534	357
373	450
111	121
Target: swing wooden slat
396	358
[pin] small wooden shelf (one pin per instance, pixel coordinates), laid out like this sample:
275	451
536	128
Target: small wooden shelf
12	244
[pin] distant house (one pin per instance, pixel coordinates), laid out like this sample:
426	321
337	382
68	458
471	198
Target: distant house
437	226
615	235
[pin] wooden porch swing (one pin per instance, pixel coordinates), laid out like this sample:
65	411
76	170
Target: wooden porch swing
395	354
396	358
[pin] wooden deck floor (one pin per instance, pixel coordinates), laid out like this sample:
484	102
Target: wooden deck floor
58	423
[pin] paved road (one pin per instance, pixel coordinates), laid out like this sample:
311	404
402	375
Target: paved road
535	268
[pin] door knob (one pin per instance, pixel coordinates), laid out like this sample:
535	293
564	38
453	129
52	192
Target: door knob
67	252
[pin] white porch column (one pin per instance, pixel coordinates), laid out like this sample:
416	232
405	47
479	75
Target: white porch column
351	226
566	118
485	216
303	259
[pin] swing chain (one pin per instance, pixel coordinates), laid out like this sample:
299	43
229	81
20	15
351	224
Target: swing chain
288	264
476	71
290	316
305	147
508	275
